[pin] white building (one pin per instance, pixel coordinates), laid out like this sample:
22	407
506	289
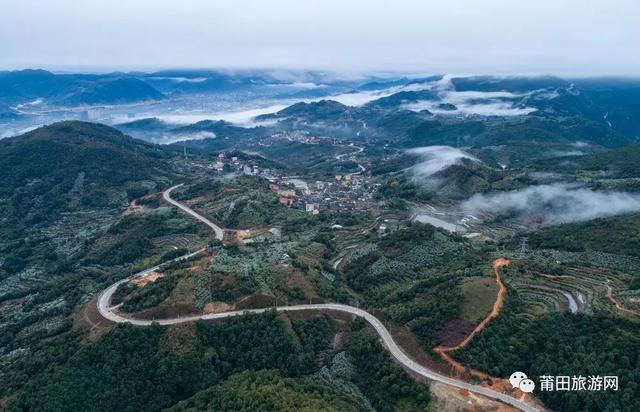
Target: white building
311	208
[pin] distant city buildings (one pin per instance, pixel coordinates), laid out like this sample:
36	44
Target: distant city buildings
91	114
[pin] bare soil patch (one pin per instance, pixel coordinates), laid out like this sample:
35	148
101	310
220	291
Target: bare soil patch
217	307
410	345
89	318
619	305
164	311
255	302
297	280
449	399
455	331
148	278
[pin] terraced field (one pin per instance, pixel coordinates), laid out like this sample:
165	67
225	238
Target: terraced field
185	241
552	281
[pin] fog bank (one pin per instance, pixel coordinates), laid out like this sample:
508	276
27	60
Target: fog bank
557	203
435	159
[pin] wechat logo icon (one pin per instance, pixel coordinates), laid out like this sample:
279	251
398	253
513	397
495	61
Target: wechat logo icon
521	381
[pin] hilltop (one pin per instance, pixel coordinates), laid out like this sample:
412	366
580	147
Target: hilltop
72	164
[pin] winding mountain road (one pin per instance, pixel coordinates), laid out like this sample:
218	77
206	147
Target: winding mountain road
166	195
110	312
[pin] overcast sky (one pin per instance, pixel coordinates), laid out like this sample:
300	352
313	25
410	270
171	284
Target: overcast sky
566	37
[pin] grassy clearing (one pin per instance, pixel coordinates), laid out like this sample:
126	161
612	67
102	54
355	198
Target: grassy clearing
479	296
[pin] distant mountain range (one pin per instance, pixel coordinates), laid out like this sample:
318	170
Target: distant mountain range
612	106
403	112
22	87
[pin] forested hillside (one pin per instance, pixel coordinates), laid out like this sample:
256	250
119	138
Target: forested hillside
618	234
562	344
70	165
241	364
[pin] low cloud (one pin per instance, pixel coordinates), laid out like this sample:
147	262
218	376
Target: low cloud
556	203
359	98
435	159
492	108
182	79
242	117
174	138
472	102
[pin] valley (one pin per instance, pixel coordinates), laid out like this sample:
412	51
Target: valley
329	206
322	237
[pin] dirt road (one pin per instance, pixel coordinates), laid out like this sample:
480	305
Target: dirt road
111	313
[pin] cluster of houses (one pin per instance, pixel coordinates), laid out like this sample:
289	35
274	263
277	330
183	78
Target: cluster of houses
344	193
349	192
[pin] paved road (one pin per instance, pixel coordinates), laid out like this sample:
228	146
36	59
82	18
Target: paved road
166	195
109	312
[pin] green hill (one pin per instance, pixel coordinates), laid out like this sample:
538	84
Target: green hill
146	124
71	165
617	234
622	162
324	110
517	131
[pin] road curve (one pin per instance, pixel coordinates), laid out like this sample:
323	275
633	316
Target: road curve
166	195
109	312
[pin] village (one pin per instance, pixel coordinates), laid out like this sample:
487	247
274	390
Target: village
342	193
